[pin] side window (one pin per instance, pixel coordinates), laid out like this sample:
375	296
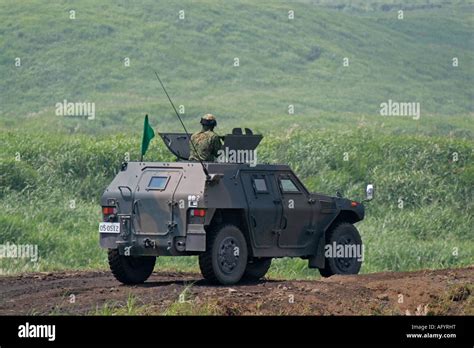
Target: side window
260	185
288	186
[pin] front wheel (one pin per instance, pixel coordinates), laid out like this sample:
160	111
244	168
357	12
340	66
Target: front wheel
130	269
343	251
225	258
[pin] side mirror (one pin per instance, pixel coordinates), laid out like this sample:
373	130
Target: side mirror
369	192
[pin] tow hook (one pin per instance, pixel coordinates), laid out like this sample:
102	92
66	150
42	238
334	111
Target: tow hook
148	243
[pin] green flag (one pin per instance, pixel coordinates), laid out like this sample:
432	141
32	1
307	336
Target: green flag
148	134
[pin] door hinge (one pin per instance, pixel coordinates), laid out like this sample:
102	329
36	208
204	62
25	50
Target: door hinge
171	225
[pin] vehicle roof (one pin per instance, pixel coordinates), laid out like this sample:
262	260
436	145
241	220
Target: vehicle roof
215	166
264	166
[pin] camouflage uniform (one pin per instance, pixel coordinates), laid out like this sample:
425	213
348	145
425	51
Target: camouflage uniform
207	144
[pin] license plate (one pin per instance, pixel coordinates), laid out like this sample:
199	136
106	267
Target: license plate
109	227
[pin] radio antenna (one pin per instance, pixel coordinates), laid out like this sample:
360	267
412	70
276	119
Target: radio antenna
184	127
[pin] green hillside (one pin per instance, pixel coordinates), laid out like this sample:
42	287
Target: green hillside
53	169
282	61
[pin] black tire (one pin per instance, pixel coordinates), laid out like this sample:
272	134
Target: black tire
257	268
130	269
345	234
220	263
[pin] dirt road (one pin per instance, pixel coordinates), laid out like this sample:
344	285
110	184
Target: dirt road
447	292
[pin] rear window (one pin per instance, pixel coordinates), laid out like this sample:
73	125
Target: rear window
260	185
158	182
288	186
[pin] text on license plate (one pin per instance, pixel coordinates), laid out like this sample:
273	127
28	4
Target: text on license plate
109	227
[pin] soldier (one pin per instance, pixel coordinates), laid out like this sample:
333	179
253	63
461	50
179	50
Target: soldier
206	142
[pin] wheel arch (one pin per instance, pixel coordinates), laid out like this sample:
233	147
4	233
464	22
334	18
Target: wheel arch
235	217
349	216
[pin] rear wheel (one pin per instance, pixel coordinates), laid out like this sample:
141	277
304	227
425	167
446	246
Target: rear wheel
344	237
225	258
257	268
130	269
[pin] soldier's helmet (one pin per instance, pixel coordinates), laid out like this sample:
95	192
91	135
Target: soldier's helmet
209	120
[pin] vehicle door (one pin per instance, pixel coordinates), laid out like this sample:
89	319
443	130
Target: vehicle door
152	209
296	229
264	210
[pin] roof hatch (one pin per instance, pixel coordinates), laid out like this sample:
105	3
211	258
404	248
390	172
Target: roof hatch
178	143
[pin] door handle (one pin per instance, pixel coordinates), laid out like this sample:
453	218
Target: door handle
285	223
254	222
276	201
135	205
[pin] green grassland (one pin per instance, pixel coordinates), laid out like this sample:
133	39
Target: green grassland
433	229
54	168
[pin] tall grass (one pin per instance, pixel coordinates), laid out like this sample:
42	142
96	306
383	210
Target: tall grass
50	197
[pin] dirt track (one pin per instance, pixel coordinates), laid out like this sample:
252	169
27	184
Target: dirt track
415	293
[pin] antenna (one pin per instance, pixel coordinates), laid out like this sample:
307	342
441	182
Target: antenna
184	127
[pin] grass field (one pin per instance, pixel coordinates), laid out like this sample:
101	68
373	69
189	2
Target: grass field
50	197
54	168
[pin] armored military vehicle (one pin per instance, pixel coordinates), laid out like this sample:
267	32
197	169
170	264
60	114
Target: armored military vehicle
236	217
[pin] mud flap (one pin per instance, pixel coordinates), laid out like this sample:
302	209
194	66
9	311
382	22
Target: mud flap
317	260
108	240
196	238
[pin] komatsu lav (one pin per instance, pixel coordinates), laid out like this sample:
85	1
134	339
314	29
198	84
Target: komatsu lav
236	217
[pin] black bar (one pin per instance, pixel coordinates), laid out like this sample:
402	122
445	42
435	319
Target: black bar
241	330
